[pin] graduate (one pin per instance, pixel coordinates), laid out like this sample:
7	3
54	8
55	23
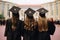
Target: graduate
30	25
45	27
13	25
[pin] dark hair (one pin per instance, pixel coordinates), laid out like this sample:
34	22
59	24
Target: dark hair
15	15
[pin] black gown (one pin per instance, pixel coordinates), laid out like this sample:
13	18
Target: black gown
29	34
13	35
45	35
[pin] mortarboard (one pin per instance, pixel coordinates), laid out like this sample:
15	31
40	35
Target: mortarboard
29	12
42	12
15	11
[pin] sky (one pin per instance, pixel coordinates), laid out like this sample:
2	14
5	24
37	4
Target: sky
27	2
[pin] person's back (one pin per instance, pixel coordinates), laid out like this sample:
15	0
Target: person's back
29	25
45	27
11	33
13	25
45	35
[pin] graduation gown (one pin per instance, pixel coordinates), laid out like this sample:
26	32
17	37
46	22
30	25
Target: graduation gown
13	35
45	35
28	34
0	22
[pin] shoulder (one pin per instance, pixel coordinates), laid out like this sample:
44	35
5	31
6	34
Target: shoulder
8	20
20	21
49	22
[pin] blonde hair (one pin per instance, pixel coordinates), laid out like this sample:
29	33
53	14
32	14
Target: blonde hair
27	23
42	24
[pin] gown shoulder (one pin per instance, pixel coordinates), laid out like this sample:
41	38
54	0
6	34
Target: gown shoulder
51	28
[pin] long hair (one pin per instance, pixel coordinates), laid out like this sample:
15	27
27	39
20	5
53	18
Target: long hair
42	24
29	21
14	20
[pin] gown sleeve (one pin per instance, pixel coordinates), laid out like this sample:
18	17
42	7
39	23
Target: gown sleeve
6	28
21	27
51	29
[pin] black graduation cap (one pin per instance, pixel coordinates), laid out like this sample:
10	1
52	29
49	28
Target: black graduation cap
42	12
15	11
29	12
